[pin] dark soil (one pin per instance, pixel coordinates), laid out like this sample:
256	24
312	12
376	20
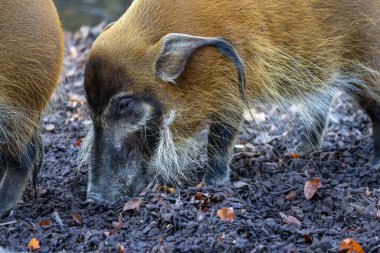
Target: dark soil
184	221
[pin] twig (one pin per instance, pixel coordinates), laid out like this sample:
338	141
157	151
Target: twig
8	223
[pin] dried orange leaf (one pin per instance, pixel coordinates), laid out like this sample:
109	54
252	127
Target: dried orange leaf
171	190
77	218
34	244
294	155
121	249
162	188
78	142
350	246
198	196
44	223
132	205
291	195
311	187
226	214
288	219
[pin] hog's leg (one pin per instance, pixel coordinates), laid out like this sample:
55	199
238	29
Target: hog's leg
372	108
14	173
311	138
220	142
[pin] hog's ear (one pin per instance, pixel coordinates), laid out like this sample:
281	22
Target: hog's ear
176	49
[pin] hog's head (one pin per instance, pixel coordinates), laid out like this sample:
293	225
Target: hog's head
148	97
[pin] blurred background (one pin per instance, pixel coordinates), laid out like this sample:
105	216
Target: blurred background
75	13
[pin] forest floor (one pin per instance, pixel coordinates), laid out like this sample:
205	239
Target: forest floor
271	212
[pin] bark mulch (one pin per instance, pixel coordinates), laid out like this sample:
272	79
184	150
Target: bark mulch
271	213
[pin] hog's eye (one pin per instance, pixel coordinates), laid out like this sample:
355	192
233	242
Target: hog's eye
125	105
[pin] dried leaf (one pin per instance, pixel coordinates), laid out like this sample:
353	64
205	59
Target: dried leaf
121	249
226	214
198	196
132	205
291	195
44	223
350	246
117	226
311	187
378	214
34	244
162	188
78	142
288	219
77	218
294	155
308	239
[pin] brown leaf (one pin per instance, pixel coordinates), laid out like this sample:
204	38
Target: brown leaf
78	142
198	196
311	187
291	195
132	205
34	244
162	188
117	226
77	218
350	246
288	219
44	223
226	214
308	239
294	155
121	249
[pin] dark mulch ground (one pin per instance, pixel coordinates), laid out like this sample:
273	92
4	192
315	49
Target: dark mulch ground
263	175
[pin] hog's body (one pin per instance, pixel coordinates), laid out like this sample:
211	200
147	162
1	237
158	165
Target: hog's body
168	67
31	54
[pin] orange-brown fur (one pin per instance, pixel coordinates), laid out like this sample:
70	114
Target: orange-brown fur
292	51
31	56
289	48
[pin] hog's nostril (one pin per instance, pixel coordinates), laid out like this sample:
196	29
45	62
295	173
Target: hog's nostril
95	197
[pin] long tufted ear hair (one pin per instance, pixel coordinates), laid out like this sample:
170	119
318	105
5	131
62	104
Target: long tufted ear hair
176	49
